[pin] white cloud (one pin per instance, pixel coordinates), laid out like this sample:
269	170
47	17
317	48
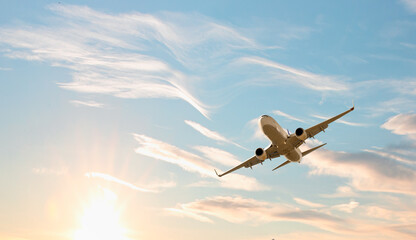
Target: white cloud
303	78
50	171
280	113
341	121
218	155
121	54
410	5
110	178
391	156
241	210
308	203
402	124
342	191
182	213
346	207
193	163
211	134
254	124
5	69
366	171
87	103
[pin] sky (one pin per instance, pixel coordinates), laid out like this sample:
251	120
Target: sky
115	115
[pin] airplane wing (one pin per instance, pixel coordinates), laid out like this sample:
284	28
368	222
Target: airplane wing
312	131
271	153
248	163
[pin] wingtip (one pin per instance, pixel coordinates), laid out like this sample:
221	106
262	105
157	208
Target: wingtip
217	173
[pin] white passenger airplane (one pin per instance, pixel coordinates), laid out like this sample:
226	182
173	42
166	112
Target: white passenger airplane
284	143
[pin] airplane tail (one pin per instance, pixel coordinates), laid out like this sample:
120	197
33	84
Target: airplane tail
312	149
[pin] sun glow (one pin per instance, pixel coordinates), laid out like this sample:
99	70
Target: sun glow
101	220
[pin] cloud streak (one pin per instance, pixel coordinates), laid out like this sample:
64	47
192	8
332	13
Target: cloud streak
93	104
303	78
236	209
341	121
211	134
110	178
282	114
119	54
366	171
192	163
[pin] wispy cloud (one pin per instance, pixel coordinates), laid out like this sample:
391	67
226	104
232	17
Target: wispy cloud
192	163
280	113
341	121
402	124
308	203
218	155
301	77
119	54
341	192
346	207
254	124
110	178
241	210
391	156
332	219
5	69
366	171
211	134
50	171
410	5
87	103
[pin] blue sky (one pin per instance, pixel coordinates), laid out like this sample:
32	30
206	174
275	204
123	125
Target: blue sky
115	115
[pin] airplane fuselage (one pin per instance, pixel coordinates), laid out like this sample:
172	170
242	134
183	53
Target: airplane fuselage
278	136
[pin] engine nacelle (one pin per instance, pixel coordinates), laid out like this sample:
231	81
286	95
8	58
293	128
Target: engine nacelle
261	154
301	134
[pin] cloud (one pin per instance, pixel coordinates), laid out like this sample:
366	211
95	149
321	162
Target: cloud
5	69
402	124
50	171
346	207
341	121
219	156
258	133
249	211
193	163
303	78
236	209
110	178
280	113
211	134
87	103
308	203
366	171
342	191
410	5
391	156
126	55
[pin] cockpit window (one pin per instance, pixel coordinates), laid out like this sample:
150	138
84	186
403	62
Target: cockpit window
265	116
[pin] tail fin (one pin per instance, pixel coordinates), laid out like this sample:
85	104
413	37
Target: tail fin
312	149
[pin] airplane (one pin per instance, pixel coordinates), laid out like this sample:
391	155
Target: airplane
283	143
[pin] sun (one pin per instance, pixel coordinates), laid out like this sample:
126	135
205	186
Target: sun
101	220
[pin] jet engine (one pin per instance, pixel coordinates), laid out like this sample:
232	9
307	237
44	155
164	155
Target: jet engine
261	154
301	134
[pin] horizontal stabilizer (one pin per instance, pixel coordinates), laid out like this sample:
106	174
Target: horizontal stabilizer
281	165
312	149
